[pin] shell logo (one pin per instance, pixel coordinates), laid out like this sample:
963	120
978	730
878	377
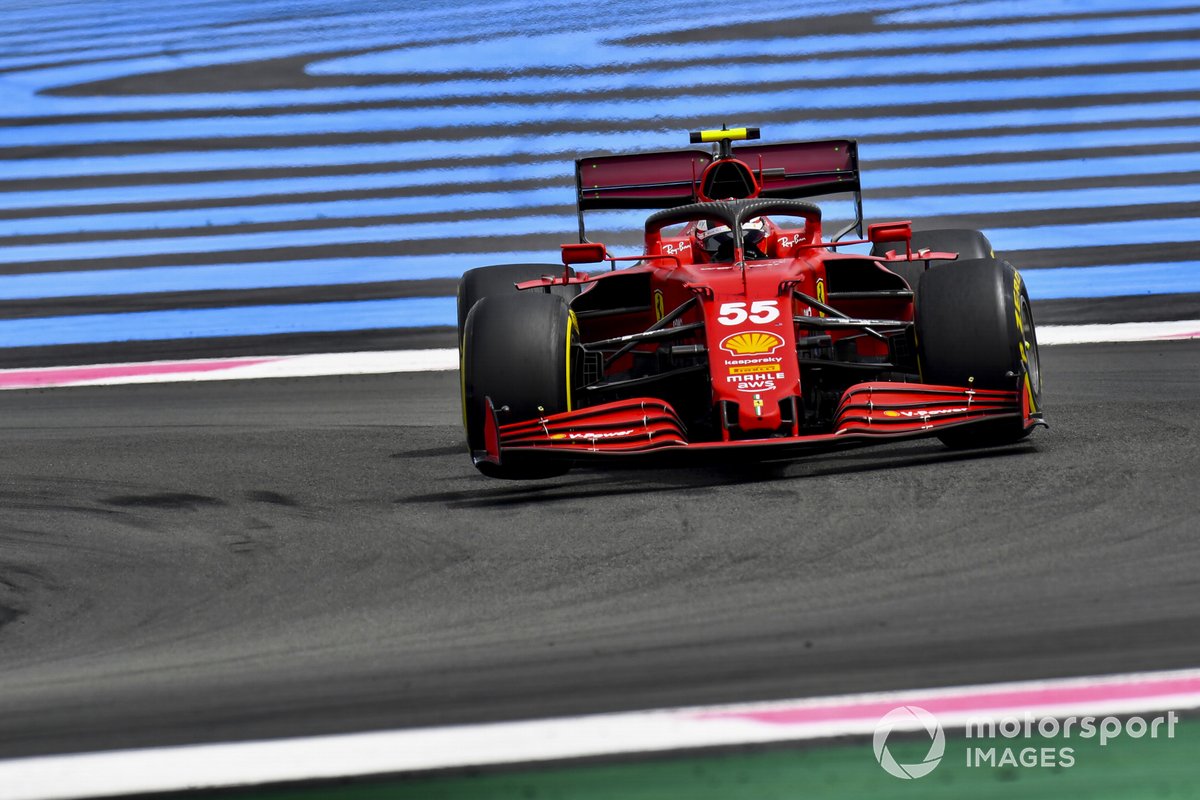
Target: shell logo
751	343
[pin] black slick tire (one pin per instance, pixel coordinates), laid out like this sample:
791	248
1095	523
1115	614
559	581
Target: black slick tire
975	327
517	351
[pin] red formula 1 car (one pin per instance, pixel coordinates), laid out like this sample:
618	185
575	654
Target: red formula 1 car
741	331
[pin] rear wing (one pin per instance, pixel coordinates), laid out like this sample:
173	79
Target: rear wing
791	170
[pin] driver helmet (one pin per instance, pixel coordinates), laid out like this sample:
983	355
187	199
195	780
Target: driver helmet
718	241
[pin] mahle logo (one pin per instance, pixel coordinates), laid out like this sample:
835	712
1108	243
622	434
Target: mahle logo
909	718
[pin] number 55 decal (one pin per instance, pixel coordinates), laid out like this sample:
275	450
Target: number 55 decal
761	311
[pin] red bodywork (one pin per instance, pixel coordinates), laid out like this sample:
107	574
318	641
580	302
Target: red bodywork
742	332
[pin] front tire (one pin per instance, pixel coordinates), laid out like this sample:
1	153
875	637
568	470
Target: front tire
517	350
974	321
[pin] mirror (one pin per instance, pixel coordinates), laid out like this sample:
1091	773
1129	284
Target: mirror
585	253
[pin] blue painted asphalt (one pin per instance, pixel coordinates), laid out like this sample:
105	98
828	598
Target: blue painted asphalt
1100	234
199	323
562	226
1113	281
235	190
1048	236
385	29
434	311
395	209
1045	284
262	275
993	9
148	25
1057	143
575	49
966	175
685	79
638	111
133	38
1069	169
138	22
688	79
569	145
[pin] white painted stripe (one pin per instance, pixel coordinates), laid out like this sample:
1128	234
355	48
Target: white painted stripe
439	360
1118	332
388	752
232	369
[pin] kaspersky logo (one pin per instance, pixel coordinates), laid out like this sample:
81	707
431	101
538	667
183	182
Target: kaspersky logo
909	718
751	343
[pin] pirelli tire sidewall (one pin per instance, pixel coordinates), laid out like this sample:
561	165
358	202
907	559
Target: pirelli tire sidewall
516	350
482	282
1030	355
973	320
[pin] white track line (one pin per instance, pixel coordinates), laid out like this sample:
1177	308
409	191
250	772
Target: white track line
1118	332
211	766
233	369
395	361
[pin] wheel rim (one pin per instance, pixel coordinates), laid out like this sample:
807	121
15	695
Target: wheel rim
1029	338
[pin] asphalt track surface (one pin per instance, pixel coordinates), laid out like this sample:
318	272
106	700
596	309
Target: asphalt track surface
256	559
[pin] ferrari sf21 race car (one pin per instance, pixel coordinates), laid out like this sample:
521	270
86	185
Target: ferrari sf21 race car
741	331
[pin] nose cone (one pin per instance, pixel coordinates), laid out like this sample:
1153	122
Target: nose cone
752	361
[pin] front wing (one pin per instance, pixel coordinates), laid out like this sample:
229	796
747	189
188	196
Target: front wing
645	427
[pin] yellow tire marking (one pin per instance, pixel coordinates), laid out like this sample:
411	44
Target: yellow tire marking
572	328
1021	339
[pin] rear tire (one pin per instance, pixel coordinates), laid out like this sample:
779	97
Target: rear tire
516	350
973	320
969	244
482	282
